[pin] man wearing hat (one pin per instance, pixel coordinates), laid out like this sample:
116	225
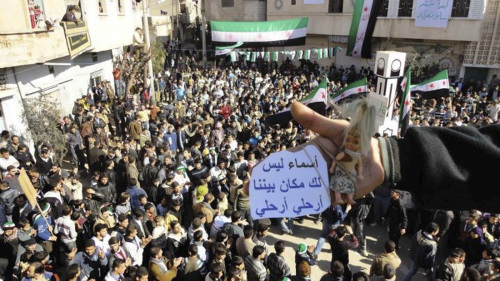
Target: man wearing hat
9	243
90	261
44	227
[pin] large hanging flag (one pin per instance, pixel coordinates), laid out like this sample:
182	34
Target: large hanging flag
436	87
290	32
316	100
227	49
404	116
364	17
358	87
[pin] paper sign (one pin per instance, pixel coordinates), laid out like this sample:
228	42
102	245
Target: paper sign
433	13
380	103
290	184
27	187
309	2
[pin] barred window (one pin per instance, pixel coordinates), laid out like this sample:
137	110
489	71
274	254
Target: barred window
405	8
384	8
227	3
335	6
460	8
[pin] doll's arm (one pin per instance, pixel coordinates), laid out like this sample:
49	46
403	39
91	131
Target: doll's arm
334	162
360	169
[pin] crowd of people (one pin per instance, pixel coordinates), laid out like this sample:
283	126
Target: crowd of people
156	186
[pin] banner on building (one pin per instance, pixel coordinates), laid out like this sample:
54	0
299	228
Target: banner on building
77	37
433	13
290	32
309	2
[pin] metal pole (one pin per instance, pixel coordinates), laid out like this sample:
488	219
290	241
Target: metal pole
148	72
204	38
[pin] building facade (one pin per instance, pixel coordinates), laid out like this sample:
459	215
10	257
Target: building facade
65	61
467	47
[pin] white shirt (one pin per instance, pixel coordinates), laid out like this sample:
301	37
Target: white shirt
135	249
4	163
103	245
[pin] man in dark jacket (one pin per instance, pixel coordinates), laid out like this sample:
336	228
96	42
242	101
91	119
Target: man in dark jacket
340	246
358	214
396	214
446	271
423	251
332	217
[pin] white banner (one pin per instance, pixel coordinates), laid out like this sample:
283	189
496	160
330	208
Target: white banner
433	13
307	2
288	184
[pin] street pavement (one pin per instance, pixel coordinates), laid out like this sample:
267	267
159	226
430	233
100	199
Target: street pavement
309	232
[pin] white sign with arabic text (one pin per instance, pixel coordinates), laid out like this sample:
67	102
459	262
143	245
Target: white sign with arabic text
290	184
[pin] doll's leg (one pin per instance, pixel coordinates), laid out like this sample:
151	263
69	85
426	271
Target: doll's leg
350	199
337	198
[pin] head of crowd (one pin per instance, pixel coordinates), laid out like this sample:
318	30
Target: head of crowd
152	183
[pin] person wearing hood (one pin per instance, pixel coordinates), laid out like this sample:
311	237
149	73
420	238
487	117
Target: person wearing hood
176	240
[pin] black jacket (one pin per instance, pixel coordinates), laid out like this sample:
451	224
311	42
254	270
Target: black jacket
423	250
446	168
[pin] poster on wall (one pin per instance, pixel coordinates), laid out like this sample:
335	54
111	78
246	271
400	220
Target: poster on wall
308	2
433	13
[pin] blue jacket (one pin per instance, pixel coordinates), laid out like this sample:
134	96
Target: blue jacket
42	232
135	192
90	265
171	139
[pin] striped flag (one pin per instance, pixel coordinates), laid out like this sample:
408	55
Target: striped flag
267	56
275	56
291	32
300	54
307	54
364	17
436	87
316	100
404	117
358	87
227	49
254	56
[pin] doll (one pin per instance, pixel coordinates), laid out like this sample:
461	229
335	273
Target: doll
347	166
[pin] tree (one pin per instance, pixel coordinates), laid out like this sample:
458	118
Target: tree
42	117
158	54
420	67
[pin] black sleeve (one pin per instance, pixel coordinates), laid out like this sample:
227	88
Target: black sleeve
446	168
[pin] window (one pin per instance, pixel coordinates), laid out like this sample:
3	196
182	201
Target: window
384	7
227	3
405	8
51	69
95	58
121	9
36	13
294	2
460	8
102	7
335	6
3	79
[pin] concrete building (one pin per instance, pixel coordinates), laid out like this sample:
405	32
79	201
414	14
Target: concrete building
63	62
237	10
467	47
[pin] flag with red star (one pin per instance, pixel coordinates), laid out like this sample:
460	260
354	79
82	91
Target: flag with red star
363	21
435	87
358	87
404	117
288	32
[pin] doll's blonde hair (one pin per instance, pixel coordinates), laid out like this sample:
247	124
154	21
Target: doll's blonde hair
362	118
